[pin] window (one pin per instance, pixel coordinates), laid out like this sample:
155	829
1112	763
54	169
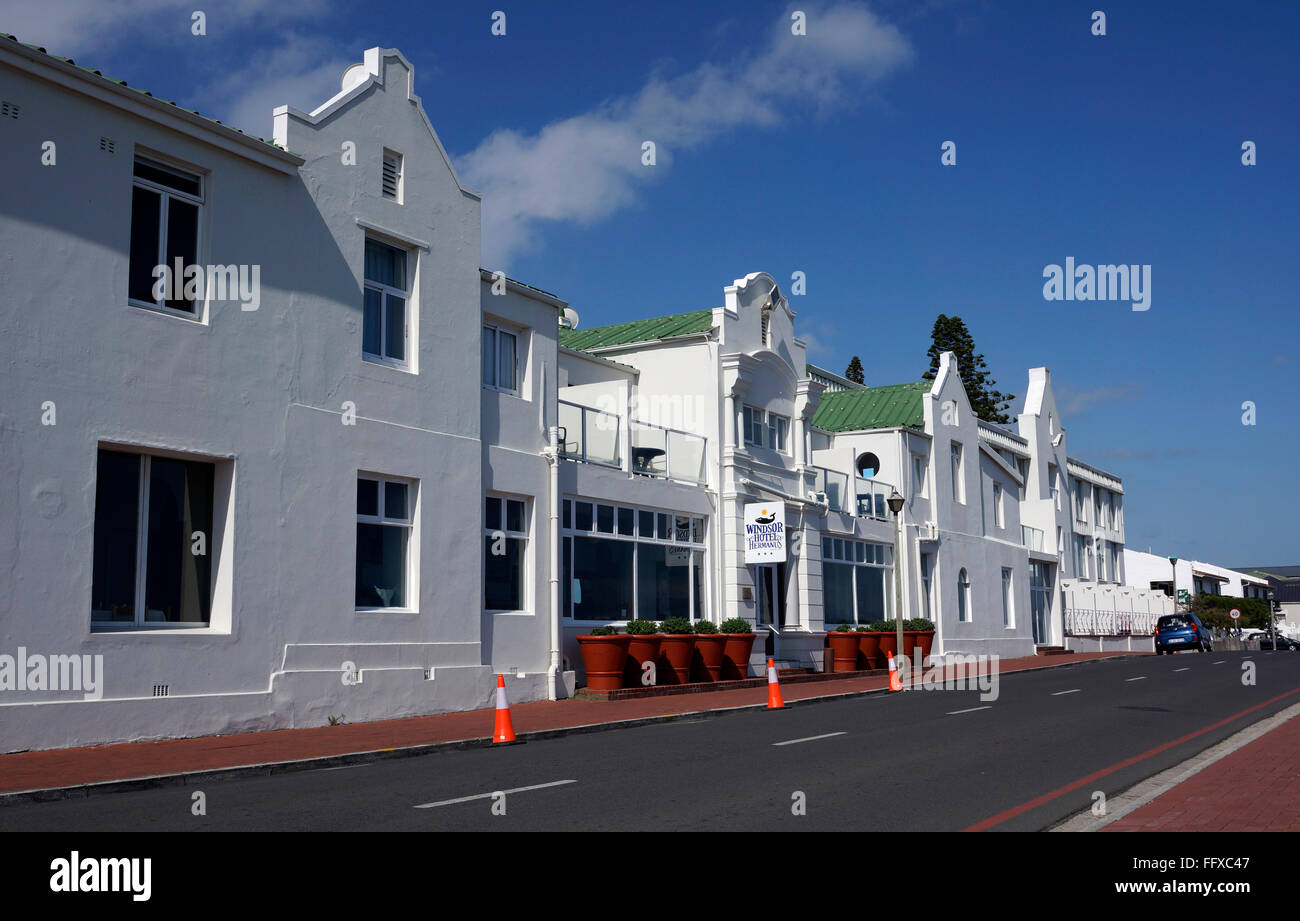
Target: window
384	524
997	505
384	324
1008	614
868	465
753	423
165	206
854	580
927	565
958	479
918	475
500	359
153	541
505	530
392	177
623	563
1080	501
963	597
778	430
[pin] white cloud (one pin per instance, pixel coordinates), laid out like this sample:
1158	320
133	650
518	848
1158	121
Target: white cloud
586	167
72	27
1072	402
302	72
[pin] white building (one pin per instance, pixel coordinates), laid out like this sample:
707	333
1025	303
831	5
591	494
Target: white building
1193	577
362	475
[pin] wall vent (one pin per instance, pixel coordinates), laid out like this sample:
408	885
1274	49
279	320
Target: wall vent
160	690
393	175
108	144
9	109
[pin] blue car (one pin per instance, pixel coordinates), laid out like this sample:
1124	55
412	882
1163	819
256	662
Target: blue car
1182	631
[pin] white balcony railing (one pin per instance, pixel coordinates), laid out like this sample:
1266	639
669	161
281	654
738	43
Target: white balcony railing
1084	622
1031	538
872	496
591	435
664	452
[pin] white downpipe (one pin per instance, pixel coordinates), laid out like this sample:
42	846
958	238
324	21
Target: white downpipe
552	454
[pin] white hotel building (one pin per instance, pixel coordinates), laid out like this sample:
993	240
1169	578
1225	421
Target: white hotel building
400	475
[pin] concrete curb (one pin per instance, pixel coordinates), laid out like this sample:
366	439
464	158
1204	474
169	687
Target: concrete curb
272	768
1144	791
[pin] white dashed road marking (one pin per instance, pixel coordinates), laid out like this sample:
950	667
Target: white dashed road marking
466	799
809	738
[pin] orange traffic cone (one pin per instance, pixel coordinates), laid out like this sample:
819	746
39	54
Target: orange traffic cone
774	701
504	731
895	682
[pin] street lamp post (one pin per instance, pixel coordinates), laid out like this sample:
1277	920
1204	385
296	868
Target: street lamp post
1173	585
1272	620
895	502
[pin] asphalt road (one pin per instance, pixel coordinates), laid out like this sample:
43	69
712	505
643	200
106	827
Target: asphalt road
920	760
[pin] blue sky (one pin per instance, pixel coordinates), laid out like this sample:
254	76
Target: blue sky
824	158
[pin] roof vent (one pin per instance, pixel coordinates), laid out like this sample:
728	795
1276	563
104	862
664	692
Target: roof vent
9	109
108	144
570	318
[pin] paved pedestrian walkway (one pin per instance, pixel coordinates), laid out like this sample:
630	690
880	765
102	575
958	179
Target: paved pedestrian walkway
70	767
1256	788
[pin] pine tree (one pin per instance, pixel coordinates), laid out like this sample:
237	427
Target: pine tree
854	371
951	335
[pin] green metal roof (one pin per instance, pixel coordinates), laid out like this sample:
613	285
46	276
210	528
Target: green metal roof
873	408
651	330
123	83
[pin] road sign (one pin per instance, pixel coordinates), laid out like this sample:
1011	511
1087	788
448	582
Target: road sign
1234	613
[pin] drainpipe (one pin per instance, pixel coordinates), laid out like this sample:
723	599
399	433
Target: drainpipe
552	454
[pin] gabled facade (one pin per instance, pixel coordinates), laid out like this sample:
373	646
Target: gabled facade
353	474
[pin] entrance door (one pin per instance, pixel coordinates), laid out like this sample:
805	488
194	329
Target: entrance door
1040	599
770	581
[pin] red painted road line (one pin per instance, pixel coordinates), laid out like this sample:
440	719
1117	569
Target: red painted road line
1047	797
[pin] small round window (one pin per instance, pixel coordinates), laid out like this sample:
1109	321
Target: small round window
868	465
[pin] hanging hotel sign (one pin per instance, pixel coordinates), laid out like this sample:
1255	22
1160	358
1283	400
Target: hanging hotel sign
765	532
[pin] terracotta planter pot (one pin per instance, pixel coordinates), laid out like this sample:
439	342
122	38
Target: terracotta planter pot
844	650
911	643
675	653
709	648
888	646
869	650
735	655
643	648
926	640
603	658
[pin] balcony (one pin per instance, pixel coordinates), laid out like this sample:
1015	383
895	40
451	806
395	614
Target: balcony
867	501
595	436
1031	538
591	435
664	452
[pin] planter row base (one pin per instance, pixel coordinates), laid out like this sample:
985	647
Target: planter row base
614	663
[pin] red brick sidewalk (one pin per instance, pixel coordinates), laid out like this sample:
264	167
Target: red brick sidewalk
40	770
1256	788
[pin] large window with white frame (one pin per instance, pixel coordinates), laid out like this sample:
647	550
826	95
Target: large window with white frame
505	569
166	207
918	475
385	323
622	563
765	429
385	524
153	541
500	358
997	505
855	580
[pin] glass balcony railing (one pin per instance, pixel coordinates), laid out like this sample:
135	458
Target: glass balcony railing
835	486
872	496
590	434
664	452
1031	538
